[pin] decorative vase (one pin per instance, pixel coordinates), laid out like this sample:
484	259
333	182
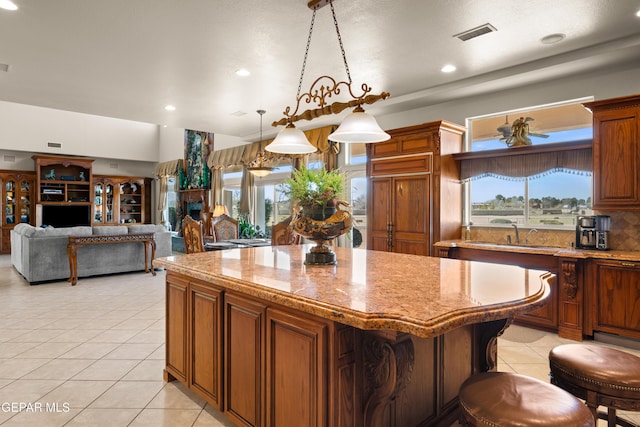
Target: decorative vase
321	226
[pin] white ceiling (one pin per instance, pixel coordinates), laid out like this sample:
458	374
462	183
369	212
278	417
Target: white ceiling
129	58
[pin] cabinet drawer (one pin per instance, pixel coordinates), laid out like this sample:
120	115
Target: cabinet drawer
406	144
402	165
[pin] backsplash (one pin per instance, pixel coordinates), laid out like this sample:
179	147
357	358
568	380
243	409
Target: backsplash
623	235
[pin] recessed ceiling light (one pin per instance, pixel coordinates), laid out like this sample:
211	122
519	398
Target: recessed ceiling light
243	72
638	13
553	38
8	5
448	68
170	108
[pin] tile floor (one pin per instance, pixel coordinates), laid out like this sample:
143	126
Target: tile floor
93	355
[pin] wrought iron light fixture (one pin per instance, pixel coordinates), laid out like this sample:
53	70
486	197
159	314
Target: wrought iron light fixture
259	167
356	127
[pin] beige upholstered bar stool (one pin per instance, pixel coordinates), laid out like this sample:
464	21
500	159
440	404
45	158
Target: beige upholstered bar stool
600	376
506	399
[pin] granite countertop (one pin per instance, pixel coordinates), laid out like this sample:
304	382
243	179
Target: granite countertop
543	250
420	295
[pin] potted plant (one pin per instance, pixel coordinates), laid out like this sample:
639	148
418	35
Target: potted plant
315	191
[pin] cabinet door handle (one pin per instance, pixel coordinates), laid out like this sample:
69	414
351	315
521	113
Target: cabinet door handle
627	264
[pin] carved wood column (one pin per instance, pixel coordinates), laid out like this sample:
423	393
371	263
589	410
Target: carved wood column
388	364
571	299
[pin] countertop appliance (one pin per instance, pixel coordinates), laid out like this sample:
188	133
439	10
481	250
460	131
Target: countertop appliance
592	232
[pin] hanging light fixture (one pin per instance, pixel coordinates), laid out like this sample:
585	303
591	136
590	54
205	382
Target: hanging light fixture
259	167
356	127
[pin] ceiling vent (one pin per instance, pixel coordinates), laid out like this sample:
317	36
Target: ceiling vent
476	32
54	144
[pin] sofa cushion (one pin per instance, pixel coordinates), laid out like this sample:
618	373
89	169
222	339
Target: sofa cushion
63	231
145	228
110	229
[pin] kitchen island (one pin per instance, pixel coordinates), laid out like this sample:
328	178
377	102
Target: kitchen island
381	339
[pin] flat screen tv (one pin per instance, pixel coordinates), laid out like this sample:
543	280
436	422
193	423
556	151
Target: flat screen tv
66	216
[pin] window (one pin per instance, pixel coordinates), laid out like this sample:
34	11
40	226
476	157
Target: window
170	212
550	199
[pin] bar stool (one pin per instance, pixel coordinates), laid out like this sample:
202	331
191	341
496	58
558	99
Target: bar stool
600	376
506	399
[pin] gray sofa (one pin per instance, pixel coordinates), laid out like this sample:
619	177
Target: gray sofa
40	254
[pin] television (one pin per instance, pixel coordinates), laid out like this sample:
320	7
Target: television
66	215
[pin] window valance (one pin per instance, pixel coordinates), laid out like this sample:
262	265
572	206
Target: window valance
526	161
170	168
243	154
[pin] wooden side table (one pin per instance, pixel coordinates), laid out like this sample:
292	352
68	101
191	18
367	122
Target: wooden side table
76	241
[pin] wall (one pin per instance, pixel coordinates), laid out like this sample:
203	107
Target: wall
171	143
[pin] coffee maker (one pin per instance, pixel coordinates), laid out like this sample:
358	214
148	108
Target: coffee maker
592	232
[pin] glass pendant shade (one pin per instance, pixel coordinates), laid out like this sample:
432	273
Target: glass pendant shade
260	171
359	127
291	141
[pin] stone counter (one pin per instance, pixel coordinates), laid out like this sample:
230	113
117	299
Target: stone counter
379	339
419	295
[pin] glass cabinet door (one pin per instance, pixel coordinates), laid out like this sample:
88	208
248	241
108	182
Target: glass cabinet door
97	204
108	202
10	202
25	201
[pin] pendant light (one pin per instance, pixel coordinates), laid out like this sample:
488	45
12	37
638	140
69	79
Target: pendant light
358	127
258	167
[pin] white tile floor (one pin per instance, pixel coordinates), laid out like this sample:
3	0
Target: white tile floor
94	353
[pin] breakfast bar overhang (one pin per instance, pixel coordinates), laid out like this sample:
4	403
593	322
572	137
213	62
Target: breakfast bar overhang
380	339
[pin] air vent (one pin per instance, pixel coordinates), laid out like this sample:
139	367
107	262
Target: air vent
54	144
113	165
4	67
9	159
476	32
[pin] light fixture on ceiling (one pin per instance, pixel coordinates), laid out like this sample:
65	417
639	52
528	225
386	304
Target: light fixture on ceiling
356	127
449	68
553	38
8	5
170	108
259	167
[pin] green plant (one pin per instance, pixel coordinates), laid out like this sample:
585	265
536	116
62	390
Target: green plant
313	187
248	230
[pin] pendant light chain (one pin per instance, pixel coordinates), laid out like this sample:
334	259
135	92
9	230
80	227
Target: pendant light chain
306	53
344	55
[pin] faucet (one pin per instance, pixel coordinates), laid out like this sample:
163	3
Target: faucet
517	233
526	239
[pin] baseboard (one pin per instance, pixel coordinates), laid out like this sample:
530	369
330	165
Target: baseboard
617	340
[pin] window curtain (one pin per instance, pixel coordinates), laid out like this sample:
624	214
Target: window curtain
319	138
520	163
163	172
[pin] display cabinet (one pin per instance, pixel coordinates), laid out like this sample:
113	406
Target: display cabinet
104	201
63	180
134	200
18	188
121	200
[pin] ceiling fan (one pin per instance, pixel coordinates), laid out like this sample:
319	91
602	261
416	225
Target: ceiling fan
506	130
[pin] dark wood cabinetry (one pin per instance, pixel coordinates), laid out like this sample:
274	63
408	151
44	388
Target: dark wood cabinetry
415	194
616	296
63	180
18	206
121	200
616	152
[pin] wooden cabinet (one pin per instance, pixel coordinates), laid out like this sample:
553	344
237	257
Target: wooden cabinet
63	180
296	381
205	336
415	194
616	296
18	206
105	201
177	332
121	200
244	355
616	152
194	336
